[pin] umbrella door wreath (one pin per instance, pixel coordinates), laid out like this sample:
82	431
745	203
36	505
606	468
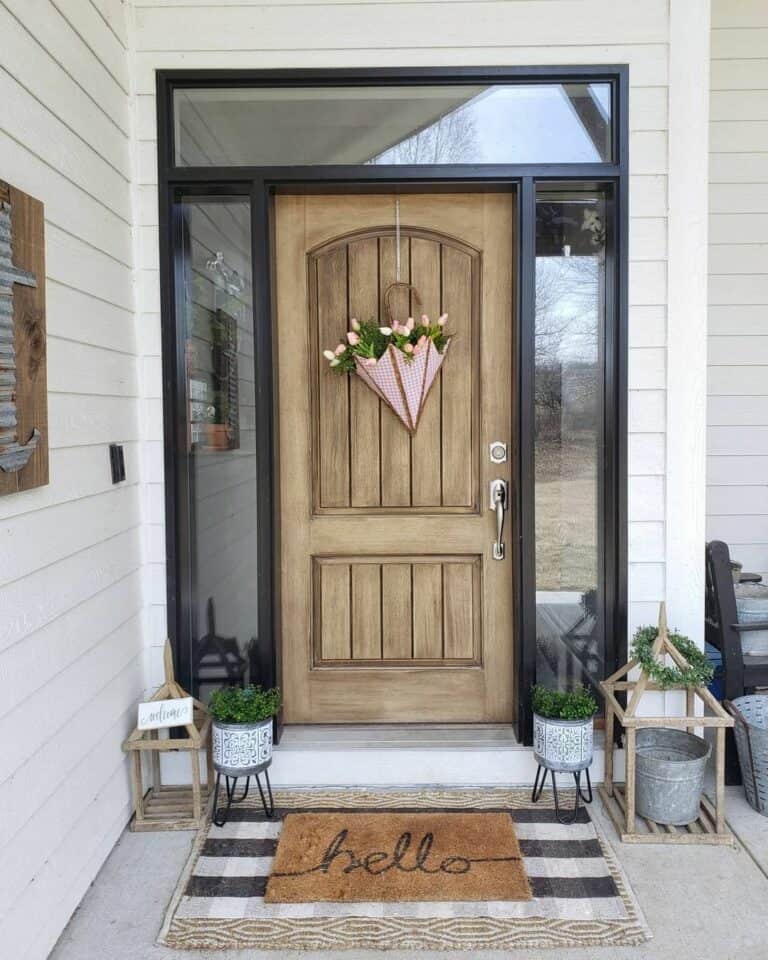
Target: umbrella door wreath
399	362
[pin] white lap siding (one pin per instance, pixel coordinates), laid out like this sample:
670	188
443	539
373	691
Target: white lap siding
737	419
71	632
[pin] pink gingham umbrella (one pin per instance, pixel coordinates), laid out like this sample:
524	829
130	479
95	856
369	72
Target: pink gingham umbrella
403	382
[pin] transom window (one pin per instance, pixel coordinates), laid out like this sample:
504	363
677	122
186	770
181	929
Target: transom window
413	125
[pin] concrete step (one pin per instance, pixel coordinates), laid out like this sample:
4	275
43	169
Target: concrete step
401	756
408	755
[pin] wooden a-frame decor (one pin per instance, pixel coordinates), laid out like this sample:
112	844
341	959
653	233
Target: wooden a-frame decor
619	799
172	807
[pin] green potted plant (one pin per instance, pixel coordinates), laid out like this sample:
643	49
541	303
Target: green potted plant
217	429
242	729
563	733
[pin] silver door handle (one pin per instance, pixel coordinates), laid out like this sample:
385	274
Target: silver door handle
499	497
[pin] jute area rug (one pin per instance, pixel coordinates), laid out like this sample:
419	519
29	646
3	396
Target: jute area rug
578	894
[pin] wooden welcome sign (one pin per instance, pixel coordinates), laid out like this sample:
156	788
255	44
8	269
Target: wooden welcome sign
23	381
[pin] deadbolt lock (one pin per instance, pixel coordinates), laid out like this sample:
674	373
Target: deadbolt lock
497	451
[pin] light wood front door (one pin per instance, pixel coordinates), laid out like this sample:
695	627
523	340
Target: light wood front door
392	605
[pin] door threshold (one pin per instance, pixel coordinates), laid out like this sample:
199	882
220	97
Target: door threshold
400	736
405	755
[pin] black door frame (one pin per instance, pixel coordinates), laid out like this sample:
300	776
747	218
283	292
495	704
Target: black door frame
259	184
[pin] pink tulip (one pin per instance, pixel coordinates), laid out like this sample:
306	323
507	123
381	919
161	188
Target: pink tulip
422	340
353	338
339	350
329	354
442	318
424	320
354	324
409	324
408	348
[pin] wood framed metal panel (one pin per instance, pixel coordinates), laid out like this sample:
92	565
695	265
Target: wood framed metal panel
261	183
23	367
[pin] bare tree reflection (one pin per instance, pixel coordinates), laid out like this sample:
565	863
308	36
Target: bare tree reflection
453	139
567	420
566	343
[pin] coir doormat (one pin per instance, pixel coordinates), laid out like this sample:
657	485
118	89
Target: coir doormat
391	857
579	895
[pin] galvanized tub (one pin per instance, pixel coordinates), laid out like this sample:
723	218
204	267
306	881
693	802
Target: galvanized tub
669	775
751	732
754	643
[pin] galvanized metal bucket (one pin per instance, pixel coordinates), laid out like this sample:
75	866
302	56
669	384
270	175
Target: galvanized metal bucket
753	610
670	775
751	732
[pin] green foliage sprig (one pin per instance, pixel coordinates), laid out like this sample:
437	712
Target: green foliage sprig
248	704
698	673
368	341
575	704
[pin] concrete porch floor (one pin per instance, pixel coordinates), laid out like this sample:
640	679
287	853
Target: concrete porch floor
700	902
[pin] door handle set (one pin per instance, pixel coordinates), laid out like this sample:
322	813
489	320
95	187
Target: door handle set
499	502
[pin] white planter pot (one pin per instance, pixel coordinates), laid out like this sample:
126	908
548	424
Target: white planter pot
242	749
563	744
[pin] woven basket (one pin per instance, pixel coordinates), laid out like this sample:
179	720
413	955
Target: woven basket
751	732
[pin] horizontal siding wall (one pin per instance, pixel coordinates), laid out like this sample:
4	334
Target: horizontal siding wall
71	620
199	34
737	419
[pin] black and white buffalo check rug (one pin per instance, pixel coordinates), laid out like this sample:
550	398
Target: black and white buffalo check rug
580	894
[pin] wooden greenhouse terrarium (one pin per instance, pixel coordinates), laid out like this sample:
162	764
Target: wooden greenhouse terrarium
171	807
619	799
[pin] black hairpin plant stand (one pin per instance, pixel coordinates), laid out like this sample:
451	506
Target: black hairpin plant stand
564	818
221	815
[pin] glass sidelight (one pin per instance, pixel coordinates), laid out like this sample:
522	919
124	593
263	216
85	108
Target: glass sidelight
569	436
214	309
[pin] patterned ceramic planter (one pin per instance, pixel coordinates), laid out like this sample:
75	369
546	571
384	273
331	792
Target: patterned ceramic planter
242	749
562	744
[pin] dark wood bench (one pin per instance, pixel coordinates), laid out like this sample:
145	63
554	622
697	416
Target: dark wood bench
740	674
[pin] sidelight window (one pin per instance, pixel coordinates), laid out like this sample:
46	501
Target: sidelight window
569	447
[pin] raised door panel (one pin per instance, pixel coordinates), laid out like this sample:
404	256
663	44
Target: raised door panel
397	611
374	465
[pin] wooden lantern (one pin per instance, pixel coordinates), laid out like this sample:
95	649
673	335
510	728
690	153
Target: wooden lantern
619	799
172	807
